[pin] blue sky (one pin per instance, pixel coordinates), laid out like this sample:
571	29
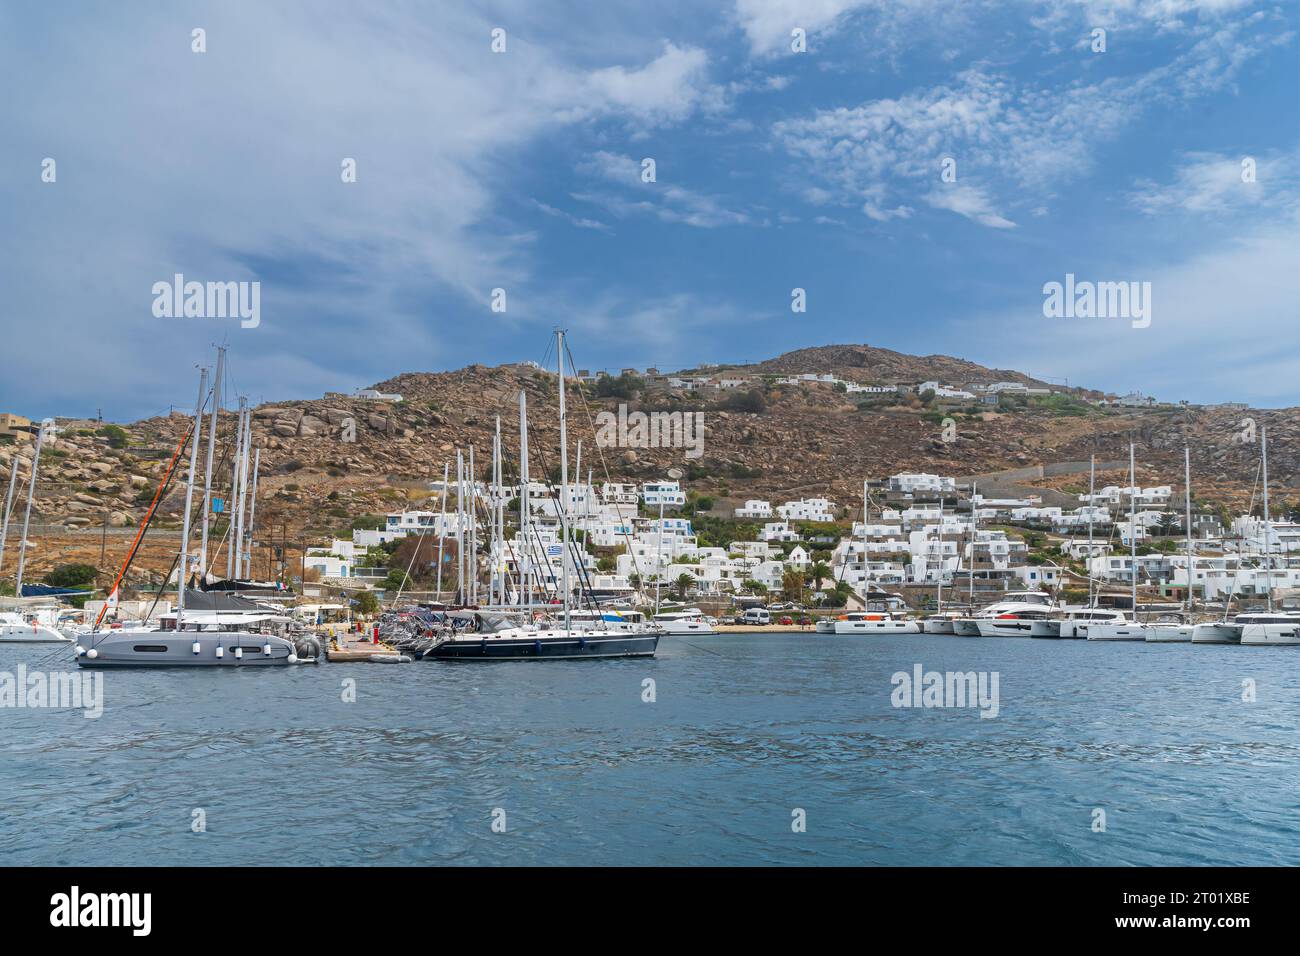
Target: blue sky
521	170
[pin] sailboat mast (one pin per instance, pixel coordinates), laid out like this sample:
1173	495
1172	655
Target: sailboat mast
864	543
525	522
974	533
1132	528
207	474
442	525
938	590
1092	503
232	505
9	504
1268	522
496	581
246	421
460	527
1187	494
184	567
473	528
252	507
564	480
31	493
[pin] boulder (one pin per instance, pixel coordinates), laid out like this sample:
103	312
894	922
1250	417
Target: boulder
285	428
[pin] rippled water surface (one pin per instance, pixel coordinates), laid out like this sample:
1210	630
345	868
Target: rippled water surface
745	729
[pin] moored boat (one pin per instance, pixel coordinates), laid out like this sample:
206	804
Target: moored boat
16	628
876	622
496	637
1216	632
684	621
1269	629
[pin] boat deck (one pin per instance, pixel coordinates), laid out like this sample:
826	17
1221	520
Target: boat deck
343	650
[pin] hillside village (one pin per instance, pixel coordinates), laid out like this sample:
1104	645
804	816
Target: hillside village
975	480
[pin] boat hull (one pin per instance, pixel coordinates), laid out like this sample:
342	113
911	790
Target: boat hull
1170	633
1047	629
937	626
30	634
1117	632
1216	634
567	647
877	627
1270	635
966	628
139	648
1005	628
698	628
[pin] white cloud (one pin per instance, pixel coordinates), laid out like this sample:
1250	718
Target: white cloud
969	201
226	165
1223	328
666	90
1015	142
1210	183
662	199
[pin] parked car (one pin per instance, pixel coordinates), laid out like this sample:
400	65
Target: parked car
757	615
786	621
805	621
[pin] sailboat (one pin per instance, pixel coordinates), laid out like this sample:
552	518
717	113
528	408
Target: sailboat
31	626
203	641
1121	630
941	621
1180	631
481	635
1271	627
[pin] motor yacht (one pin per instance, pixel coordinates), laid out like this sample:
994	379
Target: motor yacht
687	620
1074	622
1012	616
876	622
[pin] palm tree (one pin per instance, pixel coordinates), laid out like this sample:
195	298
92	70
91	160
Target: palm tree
819	572
683	583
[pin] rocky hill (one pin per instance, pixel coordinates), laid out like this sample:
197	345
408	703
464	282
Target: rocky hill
328	461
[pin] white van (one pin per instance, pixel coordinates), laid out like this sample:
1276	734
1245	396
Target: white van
758	615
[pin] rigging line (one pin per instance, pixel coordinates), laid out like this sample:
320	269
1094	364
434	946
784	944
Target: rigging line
163	586
148	520
600	452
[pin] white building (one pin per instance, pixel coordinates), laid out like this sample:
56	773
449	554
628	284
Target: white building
911	483
808	509
755	509
666	493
